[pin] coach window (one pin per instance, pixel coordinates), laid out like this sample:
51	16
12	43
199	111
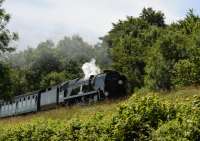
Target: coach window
65	93
28	97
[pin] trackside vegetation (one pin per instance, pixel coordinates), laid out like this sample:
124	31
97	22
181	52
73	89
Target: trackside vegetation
144	116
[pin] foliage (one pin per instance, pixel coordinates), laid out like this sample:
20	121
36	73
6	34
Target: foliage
151	54
5	35
190	24
184	127
157	71
49	64
153	17
140	118
5	81
52	79
127	49
186	73
137	119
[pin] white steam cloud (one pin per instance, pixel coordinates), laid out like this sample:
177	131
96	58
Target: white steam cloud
90	68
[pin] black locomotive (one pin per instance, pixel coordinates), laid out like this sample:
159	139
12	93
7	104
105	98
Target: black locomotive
109	84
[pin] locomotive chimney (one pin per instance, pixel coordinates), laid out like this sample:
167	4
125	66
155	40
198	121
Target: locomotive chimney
90	68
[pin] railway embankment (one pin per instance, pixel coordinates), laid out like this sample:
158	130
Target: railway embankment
143	116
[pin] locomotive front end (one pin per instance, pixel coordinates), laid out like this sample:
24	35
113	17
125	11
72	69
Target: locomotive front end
115	84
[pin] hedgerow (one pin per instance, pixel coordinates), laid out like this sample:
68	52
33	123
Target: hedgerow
140	118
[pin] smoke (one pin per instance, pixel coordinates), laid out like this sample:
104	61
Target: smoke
90	68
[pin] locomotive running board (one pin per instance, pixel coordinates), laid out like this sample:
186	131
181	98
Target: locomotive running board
80	95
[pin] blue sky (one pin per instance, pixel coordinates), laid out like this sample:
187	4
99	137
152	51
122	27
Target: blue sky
38	20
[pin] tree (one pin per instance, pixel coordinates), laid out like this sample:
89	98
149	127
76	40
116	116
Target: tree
167	50
153	17
129	42
72	69
45	61
5	81
185	73
73	48
128	58
102	56
189	25
52	79
19	81
5	35
158	75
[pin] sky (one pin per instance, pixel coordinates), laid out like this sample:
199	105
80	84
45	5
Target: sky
39	20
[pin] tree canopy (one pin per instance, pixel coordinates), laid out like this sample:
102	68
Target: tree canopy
148	51
155	55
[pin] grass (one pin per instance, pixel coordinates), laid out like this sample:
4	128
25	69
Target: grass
107	108
82	112
182	94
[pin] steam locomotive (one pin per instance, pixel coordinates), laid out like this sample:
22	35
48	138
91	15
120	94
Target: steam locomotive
109	84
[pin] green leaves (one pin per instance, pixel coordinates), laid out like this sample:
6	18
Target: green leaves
153	17
148	52
140	118
5	82
5	35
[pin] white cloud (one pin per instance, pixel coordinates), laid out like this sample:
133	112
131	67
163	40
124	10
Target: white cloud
37	20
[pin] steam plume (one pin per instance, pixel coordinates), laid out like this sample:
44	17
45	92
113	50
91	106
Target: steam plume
90	68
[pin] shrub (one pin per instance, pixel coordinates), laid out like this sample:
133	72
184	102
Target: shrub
137	119
140	118
185	73
185	127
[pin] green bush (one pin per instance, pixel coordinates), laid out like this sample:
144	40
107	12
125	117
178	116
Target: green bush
141	118
137	119
186	126
185	73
